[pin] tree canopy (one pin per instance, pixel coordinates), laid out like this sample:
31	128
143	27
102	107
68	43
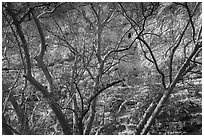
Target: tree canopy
92	68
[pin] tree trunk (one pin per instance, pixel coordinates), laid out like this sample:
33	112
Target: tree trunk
75	116
53	104
22	116
91	117
145	118
156	112
168	91
80	126
147	114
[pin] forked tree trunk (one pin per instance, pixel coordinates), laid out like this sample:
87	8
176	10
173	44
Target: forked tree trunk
147	115
145	118
168	91
155	112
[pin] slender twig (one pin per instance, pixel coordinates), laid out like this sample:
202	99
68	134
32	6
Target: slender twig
50	11
10	90
18	42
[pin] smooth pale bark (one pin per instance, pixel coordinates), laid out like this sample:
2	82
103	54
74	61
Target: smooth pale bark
75	116
155	113
145	118
147	114
169	90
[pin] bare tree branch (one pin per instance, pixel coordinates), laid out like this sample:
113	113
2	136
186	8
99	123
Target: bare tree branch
39	57
99	92
22	37
155	62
